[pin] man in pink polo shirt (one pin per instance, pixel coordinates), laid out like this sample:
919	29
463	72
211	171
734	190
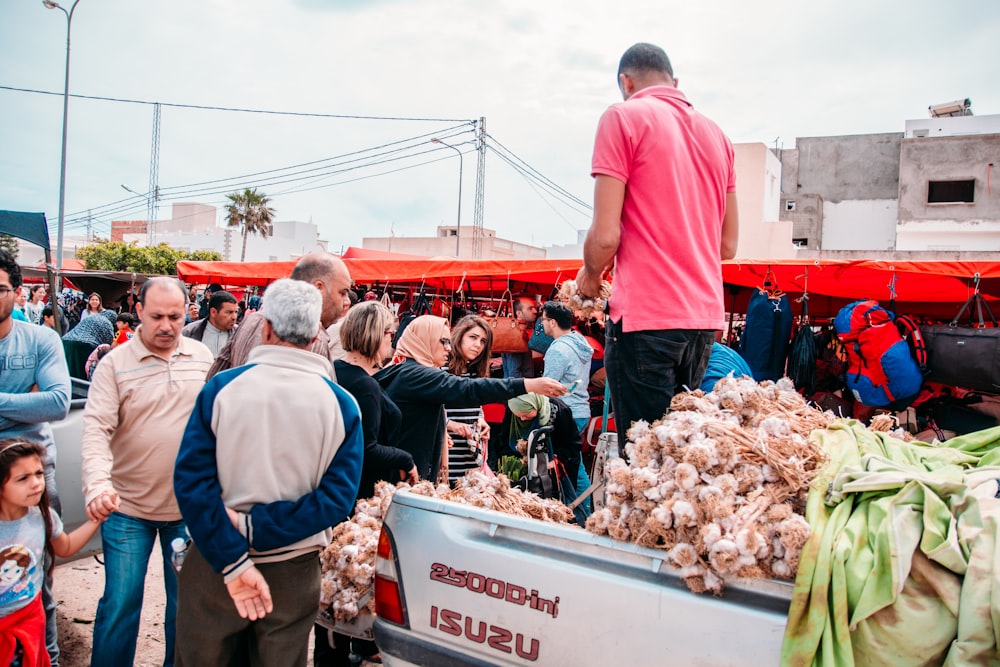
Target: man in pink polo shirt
664	217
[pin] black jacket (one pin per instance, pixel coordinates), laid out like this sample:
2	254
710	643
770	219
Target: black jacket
421	393
380	422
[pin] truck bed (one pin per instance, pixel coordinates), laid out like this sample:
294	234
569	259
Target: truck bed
484	588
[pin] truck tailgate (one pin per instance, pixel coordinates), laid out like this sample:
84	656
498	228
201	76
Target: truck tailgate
482	587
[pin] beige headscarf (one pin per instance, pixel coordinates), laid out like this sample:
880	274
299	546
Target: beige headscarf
422	339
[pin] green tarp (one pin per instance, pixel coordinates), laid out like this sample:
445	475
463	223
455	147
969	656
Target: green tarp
901	567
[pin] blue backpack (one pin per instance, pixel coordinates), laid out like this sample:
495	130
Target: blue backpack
881	370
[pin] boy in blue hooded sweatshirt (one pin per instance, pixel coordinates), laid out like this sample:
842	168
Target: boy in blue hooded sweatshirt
568	361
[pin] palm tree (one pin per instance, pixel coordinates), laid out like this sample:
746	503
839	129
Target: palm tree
250	211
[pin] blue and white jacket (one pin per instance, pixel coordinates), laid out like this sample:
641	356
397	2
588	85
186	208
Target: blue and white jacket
280	443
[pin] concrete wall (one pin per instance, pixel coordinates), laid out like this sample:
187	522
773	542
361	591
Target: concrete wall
859	225
950	159
949	226
189	218
805	212
864	166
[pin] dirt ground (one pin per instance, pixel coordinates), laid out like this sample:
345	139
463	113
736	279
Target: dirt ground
78	586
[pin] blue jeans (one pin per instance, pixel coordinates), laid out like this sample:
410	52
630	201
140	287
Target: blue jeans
127	542
582	478
518	365
646	368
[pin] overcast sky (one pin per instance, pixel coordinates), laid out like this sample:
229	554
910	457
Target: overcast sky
540	73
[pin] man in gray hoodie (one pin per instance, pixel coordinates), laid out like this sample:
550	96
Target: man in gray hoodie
568	361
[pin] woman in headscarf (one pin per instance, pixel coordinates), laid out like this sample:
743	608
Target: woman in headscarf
93	330
532	411
420	388
83	339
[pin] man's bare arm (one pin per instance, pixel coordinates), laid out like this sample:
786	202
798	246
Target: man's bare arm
730	227
604	236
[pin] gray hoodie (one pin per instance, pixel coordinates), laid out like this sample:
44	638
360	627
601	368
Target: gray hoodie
568	360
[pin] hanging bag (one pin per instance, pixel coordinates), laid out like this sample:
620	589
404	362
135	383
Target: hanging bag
508	334
767	333
802	357
966	356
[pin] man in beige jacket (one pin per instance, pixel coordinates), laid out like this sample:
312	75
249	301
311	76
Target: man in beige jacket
140	399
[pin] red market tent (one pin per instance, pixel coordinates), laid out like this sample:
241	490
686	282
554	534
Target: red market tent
452	275
932	289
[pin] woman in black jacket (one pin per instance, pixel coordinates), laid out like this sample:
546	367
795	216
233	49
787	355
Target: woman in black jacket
418	385
366	335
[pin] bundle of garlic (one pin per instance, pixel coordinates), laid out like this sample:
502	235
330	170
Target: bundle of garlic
719	483
348	563
584	306
884	423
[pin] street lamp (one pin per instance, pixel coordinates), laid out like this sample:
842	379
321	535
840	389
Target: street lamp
49	4
149	219
458	226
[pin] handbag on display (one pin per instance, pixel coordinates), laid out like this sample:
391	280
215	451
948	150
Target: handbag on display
966	356
509	334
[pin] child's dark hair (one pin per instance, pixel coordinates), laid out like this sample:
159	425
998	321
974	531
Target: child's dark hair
12	451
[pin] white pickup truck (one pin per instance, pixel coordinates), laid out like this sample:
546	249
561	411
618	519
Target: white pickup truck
458	585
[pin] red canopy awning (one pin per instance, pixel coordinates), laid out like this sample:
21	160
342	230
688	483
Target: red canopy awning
914	287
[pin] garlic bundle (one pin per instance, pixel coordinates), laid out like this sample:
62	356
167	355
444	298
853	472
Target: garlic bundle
719	483
584	306
348	563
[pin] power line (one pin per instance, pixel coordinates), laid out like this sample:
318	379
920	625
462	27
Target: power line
206	107
571	203
134	206
539	174
239	182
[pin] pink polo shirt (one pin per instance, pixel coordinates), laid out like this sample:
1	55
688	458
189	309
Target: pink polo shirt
677	166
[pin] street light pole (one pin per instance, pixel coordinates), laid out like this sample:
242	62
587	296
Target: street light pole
50	4
458	226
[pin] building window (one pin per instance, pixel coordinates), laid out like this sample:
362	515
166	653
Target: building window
951	192
790	205
800	243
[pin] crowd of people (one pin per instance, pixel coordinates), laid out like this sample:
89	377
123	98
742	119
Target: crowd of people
185	432
245	427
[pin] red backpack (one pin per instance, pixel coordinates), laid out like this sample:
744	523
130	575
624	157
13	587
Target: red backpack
881	370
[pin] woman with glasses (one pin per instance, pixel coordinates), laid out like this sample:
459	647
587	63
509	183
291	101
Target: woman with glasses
417	383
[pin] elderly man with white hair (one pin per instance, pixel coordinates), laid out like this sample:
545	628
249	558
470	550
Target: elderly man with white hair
270	459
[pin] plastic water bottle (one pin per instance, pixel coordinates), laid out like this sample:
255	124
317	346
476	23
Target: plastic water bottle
179	548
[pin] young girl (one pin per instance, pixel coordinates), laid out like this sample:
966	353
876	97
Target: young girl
94	306
28	531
